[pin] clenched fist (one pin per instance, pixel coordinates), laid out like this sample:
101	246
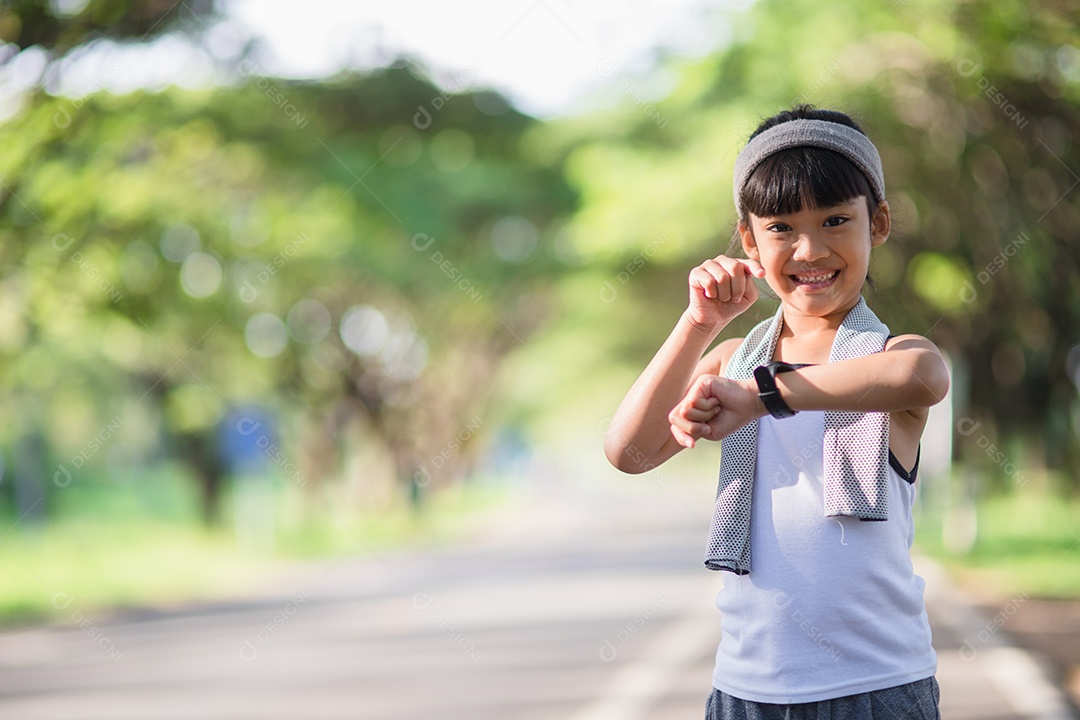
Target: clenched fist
713	408
721	289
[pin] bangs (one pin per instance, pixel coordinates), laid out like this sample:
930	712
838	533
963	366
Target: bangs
803	177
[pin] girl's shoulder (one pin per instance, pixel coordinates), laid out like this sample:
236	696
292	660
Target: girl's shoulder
910	341
715	361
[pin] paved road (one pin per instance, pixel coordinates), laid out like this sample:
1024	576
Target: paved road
588	604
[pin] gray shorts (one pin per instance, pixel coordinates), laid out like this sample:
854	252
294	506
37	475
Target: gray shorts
914	701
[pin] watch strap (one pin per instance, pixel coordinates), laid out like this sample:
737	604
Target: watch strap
765	375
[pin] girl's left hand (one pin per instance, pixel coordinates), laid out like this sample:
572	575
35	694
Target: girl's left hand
713	408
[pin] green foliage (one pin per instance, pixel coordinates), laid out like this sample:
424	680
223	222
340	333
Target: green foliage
170	256
1025	542
63	26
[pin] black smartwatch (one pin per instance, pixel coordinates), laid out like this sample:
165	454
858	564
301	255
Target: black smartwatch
765	375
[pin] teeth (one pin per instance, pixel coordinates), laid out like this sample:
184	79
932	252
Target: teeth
810	279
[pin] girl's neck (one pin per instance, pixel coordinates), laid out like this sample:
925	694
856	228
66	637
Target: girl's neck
798	323
808	338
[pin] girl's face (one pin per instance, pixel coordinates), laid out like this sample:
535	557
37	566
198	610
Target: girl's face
816	259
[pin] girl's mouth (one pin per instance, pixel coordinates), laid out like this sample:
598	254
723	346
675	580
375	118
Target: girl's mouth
815	281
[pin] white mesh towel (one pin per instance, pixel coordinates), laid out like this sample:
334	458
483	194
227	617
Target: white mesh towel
856	445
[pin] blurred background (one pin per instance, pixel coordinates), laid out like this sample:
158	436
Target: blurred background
290	288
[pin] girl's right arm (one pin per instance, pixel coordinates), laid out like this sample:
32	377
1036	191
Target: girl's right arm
639	437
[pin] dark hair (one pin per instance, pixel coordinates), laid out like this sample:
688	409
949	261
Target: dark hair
787	181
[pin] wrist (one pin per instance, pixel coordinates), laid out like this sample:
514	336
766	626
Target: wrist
751	387
769	391
699	327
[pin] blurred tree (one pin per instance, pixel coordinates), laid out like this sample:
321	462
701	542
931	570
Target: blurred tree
61	26
311	247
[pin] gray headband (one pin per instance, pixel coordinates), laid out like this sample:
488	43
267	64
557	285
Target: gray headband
847	141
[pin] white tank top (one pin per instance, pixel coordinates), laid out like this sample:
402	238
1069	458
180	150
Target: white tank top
832	606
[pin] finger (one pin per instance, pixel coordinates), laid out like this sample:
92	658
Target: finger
703	281
706	387
721	279
753	267
690	420
699	416
723	286
705	403
738	269
738	282
681	437
679	420
751	295
696	282
699	390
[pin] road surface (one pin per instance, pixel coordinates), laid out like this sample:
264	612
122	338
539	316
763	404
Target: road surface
586	602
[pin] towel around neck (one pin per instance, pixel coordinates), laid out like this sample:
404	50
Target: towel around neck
856	444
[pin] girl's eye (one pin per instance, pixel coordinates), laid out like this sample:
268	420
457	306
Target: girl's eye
778	227
835	220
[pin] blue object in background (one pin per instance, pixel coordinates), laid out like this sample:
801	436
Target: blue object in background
243	438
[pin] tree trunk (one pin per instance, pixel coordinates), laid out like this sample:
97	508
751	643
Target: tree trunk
199	451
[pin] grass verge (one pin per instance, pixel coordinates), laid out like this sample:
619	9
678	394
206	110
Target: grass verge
109	554
1024	542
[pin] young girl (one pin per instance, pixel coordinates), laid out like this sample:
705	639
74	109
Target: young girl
820	411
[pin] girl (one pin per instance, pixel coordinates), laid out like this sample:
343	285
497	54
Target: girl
820	411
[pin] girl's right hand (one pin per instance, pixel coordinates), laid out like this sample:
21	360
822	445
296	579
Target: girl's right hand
721	289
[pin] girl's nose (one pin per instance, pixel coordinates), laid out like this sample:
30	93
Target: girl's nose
809	249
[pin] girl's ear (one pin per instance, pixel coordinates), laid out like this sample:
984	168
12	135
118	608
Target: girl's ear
749	244
880	225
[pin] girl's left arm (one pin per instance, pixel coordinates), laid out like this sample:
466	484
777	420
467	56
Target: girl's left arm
909	376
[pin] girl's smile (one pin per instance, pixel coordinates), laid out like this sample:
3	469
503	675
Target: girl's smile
810	280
